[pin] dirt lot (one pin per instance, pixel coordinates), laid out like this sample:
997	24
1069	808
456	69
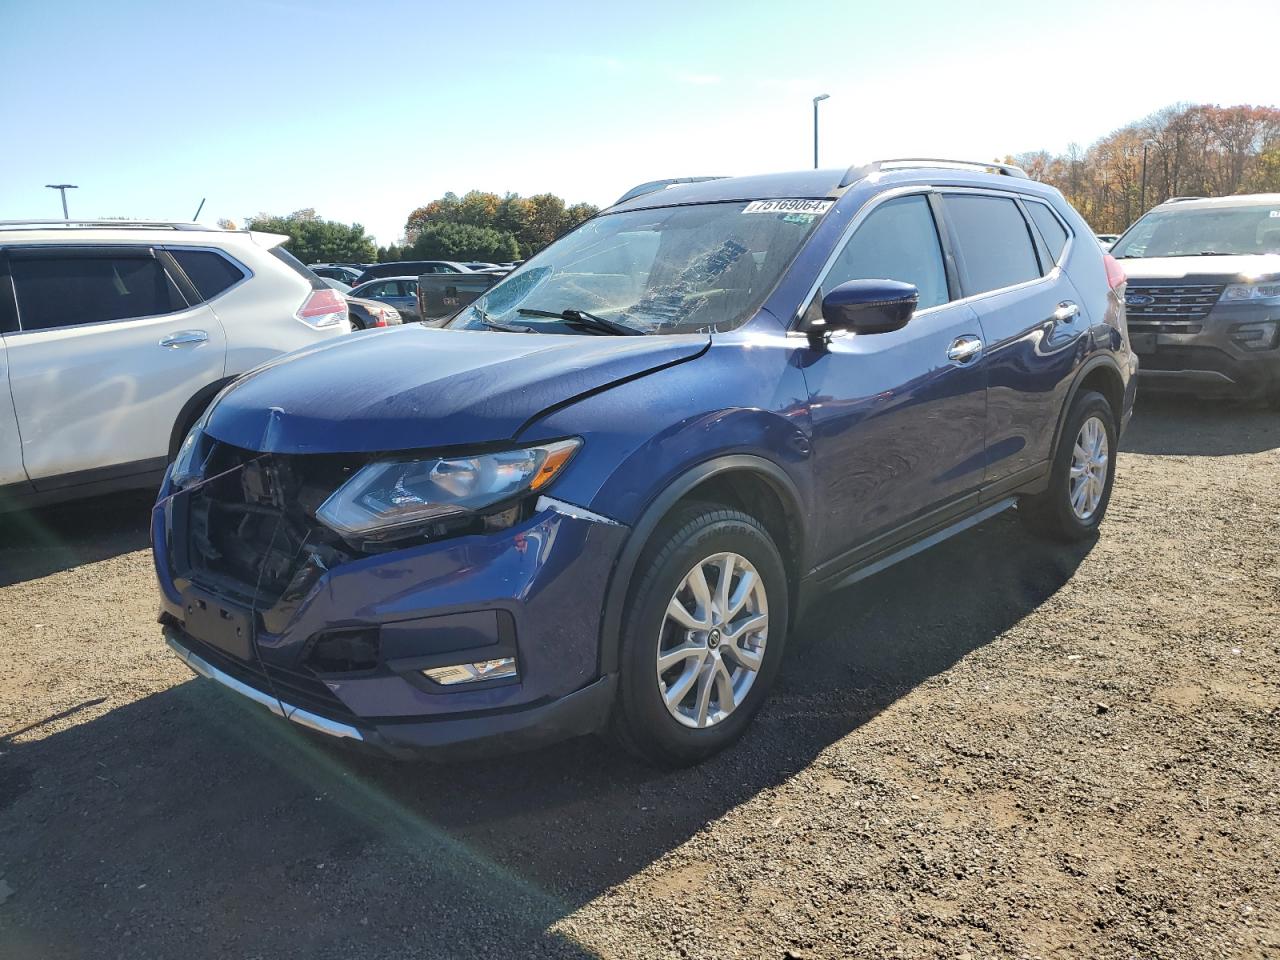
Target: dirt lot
998	749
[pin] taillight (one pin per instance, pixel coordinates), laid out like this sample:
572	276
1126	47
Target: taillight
324	308
1115	272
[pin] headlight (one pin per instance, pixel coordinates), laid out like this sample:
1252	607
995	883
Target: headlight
188	465
391	497
1251	291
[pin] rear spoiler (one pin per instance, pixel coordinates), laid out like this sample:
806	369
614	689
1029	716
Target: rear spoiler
655	185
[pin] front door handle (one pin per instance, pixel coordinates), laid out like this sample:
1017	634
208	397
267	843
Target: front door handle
1066	312
184	337
964	349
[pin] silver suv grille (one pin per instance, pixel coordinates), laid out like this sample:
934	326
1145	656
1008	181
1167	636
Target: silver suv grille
1173	307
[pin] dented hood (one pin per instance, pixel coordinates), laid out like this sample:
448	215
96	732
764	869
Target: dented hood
418	387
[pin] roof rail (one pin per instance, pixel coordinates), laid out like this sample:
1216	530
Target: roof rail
102	224
1180	199
655	185
857	172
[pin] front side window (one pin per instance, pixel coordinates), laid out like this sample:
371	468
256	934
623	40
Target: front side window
696	268
64	291
897	241
1199	232
994	243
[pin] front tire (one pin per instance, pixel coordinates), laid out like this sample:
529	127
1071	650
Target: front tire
703	635
1080	480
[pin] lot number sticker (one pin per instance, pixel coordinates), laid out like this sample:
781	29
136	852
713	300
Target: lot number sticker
789	206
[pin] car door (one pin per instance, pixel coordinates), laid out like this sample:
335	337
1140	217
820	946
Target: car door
898	418
404	297
107	351
1031	317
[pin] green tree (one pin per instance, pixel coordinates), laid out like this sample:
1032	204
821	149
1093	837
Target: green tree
462	241
532	222
313	240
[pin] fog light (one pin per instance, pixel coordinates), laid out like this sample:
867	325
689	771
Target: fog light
500	669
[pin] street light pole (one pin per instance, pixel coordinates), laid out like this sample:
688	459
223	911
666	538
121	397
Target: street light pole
816	100
62	188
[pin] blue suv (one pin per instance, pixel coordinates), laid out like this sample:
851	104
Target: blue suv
601	497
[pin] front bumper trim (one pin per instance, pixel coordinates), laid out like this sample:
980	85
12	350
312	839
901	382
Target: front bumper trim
277	706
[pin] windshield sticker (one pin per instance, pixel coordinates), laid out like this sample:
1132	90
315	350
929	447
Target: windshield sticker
813	207
1274	213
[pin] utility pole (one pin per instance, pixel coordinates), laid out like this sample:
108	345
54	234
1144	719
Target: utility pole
62	188
816	101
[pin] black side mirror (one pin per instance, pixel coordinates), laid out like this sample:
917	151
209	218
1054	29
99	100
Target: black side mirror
868	306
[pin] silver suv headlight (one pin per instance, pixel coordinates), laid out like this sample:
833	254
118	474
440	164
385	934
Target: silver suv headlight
390	498
1262	290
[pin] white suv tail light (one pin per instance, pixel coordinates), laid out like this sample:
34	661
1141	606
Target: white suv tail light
324	308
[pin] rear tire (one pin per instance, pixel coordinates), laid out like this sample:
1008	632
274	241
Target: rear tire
1080	479
721	652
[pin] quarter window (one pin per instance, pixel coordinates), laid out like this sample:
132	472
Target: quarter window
897	241
210	273
64	291
1050	227
994	243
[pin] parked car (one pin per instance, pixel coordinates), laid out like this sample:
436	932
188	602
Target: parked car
406	268
115	335
365	314
1105	240
479	265
1204	296
603	495
398	292
333	271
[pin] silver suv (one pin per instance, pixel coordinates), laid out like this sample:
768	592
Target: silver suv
1204	295
114	337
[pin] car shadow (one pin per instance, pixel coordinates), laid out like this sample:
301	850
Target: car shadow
36	543
1172	425
192	822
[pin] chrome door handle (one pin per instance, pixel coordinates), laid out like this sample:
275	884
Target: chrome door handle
1066	312
964	349
184	337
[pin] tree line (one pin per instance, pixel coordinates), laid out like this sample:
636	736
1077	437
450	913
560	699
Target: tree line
1183	150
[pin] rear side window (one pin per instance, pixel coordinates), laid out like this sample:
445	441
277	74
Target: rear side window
897	241
209	272
1050	227
994	242
65	291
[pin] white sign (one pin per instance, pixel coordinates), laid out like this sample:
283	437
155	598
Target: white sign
789	206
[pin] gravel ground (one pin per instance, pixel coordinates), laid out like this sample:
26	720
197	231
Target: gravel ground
1000	748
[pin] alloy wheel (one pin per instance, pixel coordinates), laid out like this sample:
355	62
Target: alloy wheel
711	643
1089	459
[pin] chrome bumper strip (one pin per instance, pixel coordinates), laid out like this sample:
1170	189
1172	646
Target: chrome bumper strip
281	709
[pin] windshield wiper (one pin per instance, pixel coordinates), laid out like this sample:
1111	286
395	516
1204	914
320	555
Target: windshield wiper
586	320
507	327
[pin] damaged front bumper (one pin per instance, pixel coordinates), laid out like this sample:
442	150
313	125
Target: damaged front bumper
532	593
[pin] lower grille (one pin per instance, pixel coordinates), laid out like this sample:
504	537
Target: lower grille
296	688
1172	307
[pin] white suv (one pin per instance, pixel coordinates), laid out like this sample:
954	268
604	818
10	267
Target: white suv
114	337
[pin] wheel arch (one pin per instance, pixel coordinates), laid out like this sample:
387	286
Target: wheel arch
190	411
1100	373
751	483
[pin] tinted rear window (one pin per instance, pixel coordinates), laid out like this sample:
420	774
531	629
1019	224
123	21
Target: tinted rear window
209	272
995	244
66	291
1051	229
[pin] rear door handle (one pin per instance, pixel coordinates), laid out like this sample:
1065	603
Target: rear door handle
964	349
184	337
1066	312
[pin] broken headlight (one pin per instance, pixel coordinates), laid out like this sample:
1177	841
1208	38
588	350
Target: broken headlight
392	498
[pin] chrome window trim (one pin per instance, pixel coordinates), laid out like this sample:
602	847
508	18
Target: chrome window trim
1071	234
202	248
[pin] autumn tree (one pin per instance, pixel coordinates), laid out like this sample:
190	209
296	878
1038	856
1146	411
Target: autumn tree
530	222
